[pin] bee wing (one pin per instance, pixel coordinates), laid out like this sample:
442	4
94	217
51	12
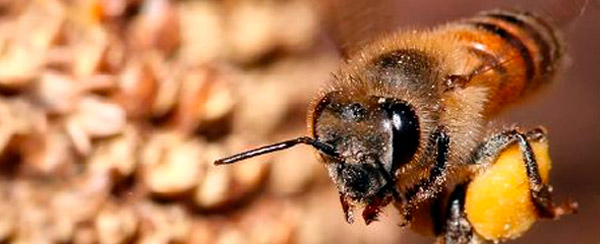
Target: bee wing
562	13
350	24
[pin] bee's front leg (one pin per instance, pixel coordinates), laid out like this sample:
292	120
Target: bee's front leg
431	186
457	228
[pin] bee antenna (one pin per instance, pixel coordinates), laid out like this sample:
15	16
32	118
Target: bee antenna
322	147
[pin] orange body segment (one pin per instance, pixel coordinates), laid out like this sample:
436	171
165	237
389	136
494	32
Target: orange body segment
511	54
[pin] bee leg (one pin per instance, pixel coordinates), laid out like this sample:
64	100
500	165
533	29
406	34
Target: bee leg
434	183
347	207
457	229
540	193
389	193
456	81
373	209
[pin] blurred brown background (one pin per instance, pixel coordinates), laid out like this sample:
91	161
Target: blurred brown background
111	113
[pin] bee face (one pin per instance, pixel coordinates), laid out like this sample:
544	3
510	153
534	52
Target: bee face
372	137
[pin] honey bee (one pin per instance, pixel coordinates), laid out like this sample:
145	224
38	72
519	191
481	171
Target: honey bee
405	119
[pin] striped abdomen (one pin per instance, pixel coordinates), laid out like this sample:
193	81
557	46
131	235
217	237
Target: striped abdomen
513	53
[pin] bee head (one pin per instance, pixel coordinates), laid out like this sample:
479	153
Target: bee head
362	142
372	137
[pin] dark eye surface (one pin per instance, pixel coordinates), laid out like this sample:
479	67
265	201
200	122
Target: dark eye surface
405	130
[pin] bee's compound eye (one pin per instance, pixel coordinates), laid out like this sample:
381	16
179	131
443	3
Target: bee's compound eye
405	130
